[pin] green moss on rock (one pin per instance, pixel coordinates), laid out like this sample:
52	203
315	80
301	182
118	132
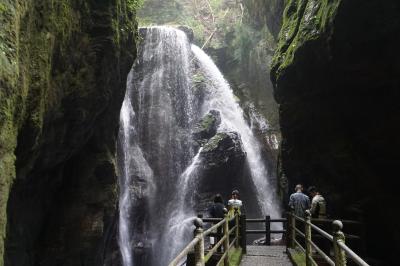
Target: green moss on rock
303	21
63	66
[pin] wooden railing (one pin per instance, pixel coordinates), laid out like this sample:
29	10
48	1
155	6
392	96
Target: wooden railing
267	232
195	252
341	251
197	244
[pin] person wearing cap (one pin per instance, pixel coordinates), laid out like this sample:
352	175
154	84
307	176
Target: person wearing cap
318	204
299	202
234	203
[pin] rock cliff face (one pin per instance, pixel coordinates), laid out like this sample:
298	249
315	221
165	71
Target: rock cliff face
336	74
63	76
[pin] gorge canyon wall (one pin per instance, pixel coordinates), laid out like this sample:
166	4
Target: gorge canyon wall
63	76
336	74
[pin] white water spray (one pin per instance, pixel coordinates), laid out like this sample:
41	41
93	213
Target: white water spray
220	97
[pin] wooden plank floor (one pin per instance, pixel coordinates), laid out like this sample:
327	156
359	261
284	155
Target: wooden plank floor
266	256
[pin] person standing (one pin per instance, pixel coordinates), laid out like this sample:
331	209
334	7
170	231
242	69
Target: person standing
318	204
217	210
318	210
234	203
299	202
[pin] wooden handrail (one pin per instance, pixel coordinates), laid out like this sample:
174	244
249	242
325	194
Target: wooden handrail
198	242
337	239
238	230
352	255
184	252
214	227
214	249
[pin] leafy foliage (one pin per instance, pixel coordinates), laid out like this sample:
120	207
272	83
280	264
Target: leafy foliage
133	5
235	34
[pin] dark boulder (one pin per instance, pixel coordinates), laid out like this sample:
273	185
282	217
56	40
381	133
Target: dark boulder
224	148
207	127
188	31
224	167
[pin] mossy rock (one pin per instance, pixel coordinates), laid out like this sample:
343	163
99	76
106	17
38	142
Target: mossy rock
207	126
222	148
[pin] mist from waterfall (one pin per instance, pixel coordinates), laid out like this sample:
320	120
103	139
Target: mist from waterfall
156	119
220	97
158	162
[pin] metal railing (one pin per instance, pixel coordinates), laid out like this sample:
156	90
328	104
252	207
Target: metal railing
341	251
197	244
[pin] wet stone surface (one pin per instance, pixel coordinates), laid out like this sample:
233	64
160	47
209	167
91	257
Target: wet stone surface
265	256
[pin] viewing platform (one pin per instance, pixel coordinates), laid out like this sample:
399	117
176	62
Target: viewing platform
265	256
302	243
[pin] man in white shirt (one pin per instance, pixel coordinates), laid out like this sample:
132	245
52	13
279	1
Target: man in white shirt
234	203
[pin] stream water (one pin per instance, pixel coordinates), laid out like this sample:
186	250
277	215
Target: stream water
157	159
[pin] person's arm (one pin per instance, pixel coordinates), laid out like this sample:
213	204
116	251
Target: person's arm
313	206
291	204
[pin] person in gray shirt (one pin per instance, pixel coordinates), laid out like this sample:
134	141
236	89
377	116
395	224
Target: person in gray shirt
299	202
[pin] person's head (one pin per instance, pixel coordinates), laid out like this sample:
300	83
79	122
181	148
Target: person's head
299	188
235	194
312	191
218	198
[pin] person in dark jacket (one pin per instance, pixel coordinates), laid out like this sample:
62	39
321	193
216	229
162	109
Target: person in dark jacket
217	210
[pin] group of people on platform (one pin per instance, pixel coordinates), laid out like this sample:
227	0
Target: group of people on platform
217	209
300	202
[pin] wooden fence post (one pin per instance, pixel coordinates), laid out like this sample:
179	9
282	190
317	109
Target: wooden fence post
291	230
338	236
308	238
199	247
226	242
243	239
268	230
237	228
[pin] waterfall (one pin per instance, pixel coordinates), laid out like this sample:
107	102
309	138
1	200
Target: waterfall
156	121
136	179
220	97
158	162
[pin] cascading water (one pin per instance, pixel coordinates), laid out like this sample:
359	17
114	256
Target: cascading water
159	103
159	166
136	181
220	97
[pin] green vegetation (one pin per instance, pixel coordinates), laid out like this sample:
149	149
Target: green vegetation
207	121
46	56
235	256
134	4
302	21
214	142
298	257
235	34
